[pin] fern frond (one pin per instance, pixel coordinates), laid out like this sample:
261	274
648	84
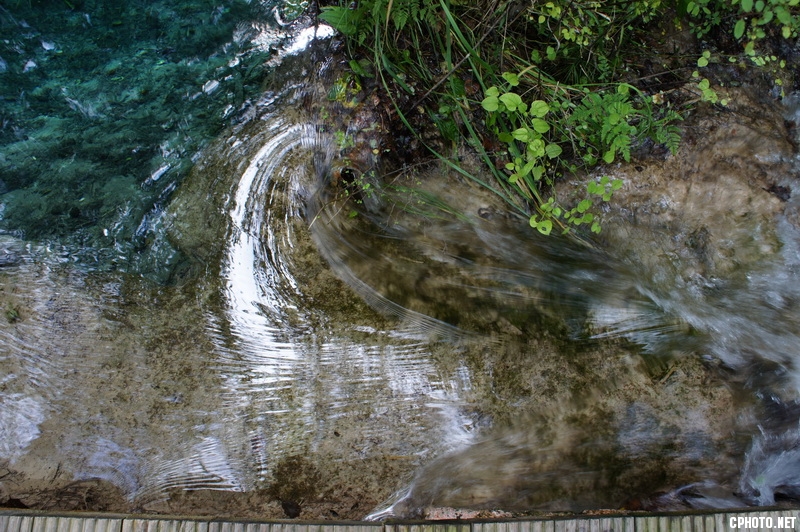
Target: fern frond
400	15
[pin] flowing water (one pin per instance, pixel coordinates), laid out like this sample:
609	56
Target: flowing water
260	338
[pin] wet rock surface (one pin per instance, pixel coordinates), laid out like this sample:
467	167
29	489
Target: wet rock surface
714	206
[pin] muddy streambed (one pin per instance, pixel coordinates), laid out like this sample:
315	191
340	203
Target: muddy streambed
331	353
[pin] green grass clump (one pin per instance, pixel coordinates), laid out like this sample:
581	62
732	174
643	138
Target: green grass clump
538	89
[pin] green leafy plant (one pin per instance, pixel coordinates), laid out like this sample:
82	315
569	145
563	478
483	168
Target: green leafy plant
603	124
556	104
359	22
585	37
752	17
345	90
578	215
527	141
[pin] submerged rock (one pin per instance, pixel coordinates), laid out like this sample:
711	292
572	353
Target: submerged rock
11	250
713	206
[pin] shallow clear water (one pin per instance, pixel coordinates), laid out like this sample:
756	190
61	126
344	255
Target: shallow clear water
103	107
250	337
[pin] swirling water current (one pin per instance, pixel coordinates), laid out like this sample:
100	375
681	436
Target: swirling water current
308	355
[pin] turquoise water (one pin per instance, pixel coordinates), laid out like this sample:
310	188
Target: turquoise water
104	106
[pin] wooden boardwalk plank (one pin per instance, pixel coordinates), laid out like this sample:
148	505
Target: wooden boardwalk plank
515	526
748	521
16	523
75	524
430	527
168	525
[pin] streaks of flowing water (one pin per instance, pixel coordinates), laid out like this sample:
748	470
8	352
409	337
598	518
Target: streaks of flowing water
729	303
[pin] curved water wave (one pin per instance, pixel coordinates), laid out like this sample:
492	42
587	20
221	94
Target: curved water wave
298	354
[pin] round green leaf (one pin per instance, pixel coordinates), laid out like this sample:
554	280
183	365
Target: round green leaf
536	148
738	30
512	79
539	108
511	100
490	104
521	134
540	126
702	62
747	5
545	226
553	150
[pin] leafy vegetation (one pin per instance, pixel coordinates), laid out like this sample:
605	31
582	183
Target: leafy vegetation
540	89
360	21
753	17
600	124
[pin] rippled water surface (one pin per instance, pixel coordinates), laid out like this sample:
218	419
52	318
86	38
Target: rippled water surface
277	344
